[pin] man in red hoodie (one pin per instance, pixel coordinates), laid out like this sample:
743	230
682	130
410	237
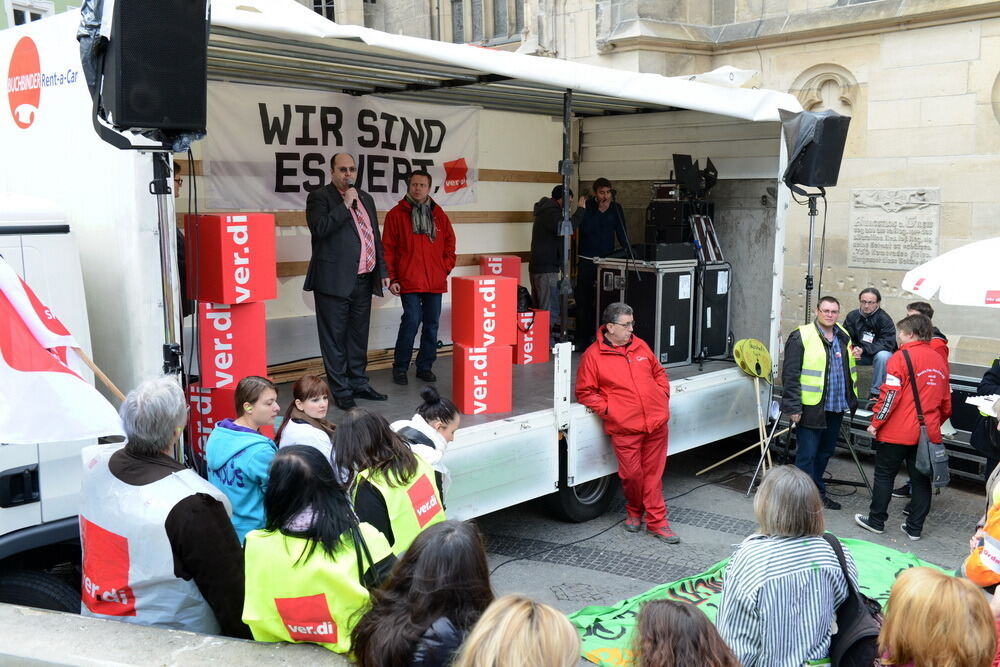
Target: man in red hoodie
895	425
623	383
419	246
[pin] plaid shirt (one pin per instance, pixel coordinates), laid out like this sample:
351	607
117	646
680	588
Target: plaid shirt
836	383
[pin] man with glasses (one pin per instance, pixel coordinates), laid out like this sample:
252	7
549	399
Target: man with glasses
622	382
819	381
874	336
346	268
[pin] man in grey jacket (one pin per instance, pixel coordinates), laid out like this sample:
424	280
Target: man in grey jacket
874	336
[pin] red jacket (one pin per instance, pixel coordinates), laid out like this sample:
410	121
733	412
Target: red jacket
626	386
895	413
413	260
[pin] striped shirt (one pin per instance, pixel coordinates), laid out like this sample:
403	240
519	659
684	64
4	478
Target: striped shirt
779	600
836	383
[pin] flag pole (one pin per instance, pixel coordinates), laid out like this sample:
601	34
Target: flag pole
100	374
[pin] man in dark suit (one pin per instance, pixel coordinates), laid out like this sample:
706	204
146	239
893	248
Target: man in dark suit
346	268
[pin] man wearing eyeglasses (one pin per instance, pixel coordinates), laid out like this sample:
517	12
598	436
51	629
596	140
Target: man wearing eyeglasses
624	384
819	385
874	336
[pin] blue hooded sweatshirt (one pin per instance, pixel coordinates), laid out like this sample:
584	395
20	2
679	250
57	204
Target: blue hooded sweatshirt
238	462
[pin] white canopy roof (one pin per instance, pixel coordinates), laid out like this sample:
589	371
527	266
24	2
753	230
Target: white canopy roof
282	42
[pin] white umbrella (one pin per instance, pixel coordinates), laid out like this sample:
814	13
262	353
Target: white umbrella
966	276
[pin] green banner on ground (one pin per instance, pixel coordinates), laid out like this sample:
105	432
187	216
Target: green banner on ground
607	631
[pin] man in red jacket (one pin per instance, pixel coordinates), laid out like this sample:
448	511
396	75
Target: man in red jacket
624	384
896	428
419	248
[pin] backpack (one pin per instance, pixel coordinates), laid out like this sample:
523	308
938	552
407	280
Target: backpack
859	621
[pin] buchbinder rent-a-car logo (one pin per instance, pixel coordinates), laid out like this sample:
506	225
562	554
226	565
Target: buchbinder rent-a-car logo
24	82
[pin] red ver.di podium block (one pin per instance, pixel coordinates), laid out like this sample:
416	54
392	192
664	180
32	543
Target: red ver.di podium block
208	408
508	266
483	310
233	343
230	257
532	345
481	381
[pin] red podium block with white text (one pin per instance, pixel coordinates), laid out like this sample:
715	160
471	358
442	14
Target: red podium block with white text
532	345
483	310
230	257
481	382
233	343
208	408
501	265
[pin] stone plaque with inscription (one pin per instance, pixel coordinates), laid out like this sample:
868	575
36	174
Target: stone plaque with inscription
894	228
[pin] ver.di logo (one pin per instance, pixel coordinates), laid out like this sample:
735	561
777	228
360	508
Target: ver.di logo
24	82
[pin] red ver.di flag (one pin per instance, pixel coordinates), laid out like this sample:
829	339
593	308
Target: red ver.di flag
42	397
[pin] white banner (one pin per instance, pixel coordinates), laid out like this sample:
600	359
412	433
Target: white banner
268	147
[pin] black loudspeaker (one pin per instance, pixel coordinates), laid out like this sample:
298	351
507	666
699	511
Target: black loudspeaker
815	142
155	69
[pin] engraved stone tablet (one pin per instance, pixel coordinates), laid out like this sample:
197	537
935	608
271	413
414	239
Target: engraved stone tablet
894	229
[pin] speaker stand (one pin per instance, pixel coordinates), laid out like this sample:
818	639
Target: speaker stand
813	213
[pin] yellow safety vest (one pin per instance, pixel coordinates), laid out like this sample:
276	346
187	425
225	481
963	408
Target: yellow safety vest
813	374
411	507
316	600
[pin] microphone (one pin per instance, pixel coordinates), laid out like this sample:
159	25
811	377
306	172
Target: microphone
354	204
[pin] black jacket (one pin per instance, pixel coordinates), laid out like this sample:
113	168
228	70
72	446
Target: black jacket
813	416
984	437
438	645
546	244
336	245
879	325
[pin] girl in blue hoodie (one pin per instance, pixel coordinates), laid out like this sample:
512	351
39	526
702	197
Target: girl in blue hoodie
239	455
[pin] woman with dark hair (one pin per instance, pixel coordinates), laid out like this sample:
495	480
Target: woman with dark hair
430	431
238	454
392	488
435	594
309	570
305	420
677	634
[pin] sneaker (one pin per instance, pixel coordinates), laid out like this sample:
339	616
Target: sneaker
830	504
864	522
902	492
427	376
633	524
906	510
664	534
906	532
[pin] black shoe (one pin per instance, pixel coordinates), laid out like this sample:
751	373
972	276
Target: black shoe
830	504
399	377
902	492
345	403
370	394
906	510
427	376
866	523
906	531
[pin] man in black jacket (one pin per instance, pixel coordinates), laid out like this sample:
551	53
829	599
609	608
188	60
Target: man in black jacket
347	267
874	336
547	250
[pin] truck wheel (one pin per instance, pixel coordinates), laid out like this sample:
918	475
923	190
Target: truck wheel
583	502
39	589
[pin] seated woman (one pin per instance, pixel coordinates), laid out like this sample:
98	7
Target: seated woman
935	620
677	634
238	454
308	571
516	631
786	566
435	594
305	420
392	488
430	431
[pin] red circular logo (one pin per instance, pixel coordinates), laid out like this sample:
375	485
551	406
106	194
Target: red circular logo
24	82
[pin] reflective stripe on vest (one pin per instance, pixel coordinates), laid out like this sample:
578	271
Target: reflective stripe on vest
411	507
813	373
289	599
128	563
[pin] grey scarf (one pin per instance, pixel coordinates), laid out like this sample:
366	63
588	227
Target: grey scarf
421	216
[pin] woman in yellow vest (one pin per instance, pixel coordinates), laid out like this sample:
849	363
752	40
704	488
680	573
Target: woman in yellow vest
309	570
392	488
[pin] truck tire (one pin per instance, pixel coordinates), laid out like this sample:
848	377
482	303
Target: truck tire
583	502
39	589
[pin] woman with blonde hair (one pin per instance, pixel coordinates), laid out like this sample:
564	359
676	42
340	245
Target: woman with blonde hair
783	585
936	620
516	631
